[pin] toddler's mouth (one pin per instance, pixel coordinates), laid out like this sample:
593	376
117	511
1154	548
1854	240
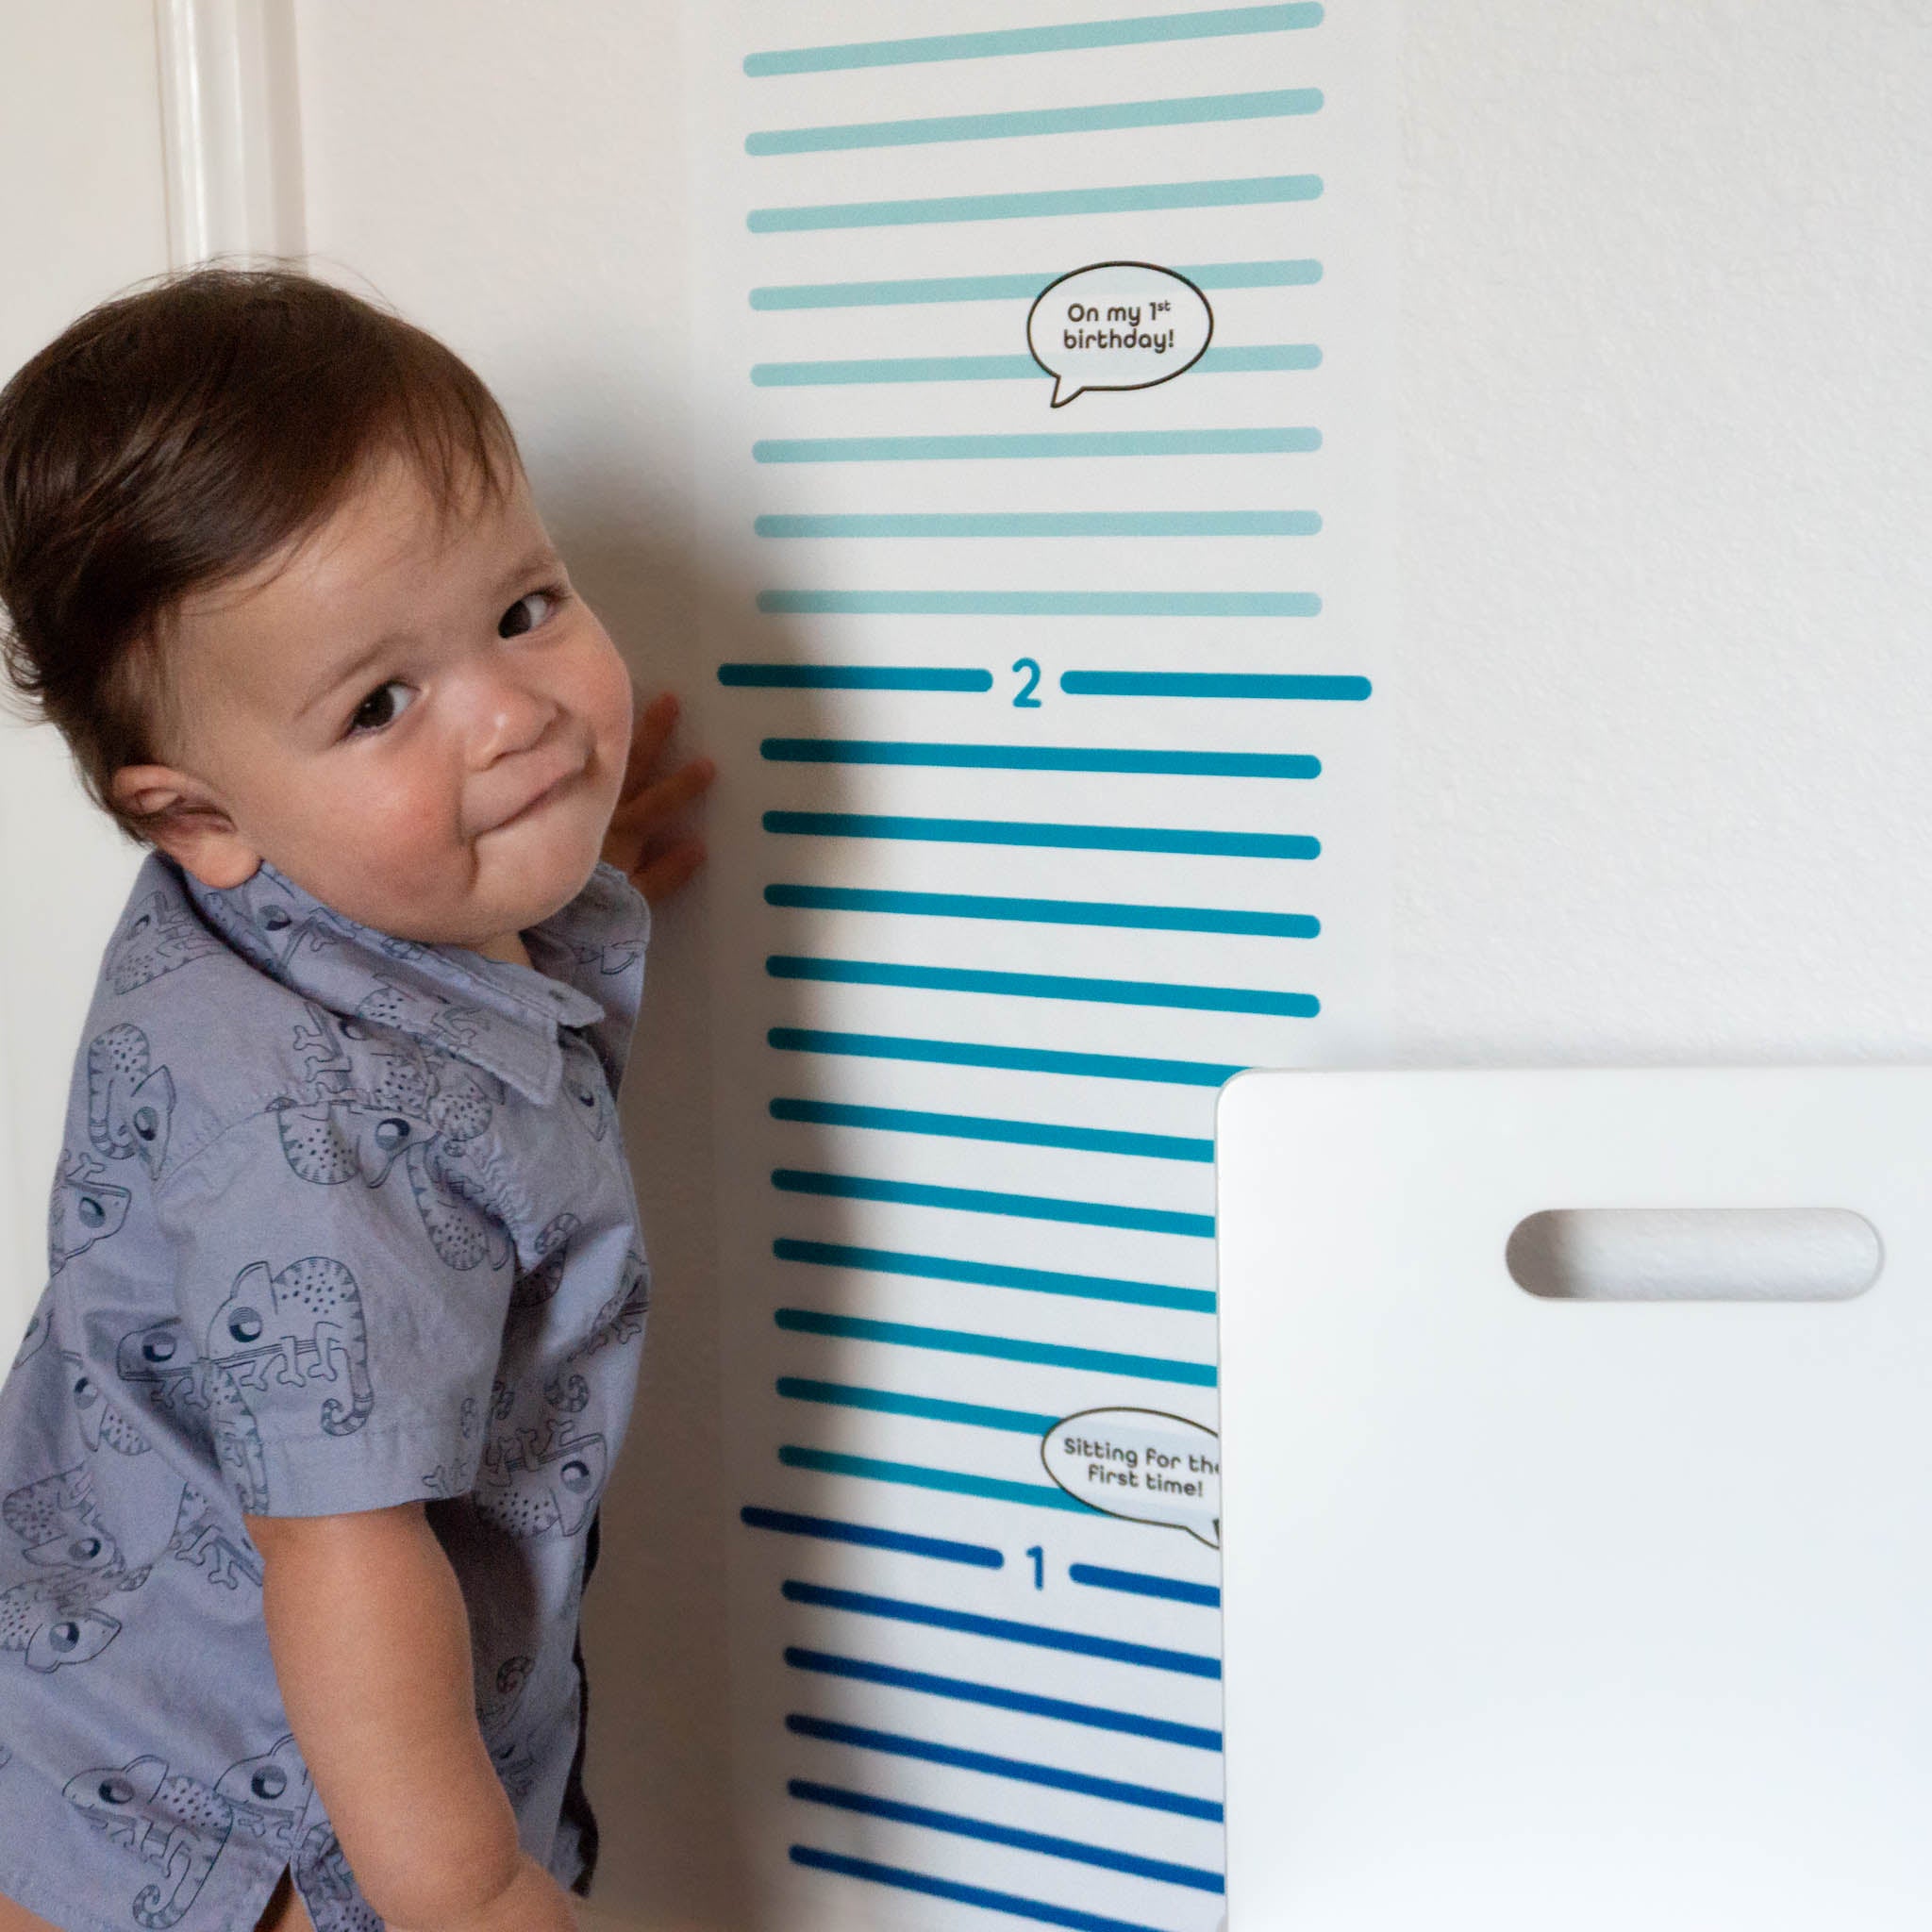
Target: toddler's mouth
549	794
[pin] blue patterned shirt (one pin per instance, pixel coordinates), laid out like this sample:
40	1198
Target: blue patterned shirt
339	1221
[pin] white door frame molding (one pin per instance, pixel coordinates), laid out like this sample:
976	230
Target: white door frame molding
231	131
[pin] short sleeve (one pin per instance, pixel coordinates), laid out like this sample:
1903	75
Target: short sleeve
341	1298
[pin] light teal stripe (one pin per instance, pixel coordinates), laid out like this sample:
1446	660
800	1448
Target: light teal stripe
1280	926
1190	112
1018	1422
1003	1348
1212	23
962	1126
1230	361
1211	274
1139	197
1049	522
1040	603
1074	442
1098	1287
828	1462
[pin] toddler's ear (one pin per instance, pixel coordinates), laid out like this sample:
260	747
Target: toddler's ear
194	829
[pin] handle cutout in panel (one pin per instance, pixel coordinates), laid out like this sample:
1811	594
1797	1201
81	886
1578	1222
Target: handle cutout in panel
1695	1255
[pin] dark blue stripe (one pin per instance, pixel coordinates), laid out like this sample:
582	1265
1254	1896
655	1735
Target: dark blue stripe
1135	1583
1212	683
996	1696
1008	1902
1041	757
1148	1797
855	1187
1015	1059
1104	1857
829	1530
1096	1288
1150	1657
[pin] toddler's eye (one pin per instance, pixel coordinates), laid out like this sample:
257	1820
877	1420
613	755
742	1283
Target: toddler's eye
513	624
376	710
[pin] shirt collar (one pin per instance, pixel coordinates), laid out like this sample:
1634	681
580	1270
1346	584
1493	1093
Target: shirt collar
496	1014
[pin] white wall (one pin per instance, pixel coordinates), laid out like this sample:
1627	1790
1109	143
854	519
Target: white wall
1665	466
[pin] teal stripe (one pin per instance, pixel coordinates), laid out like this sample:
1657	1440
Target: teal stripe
962	1126
1090	443
1018	1421
1210	684
1229	361
1046	986
1190	112
828	1462
1012	1059
848	1187
1280	926
852	677
1033	203
1093	1288
852	825
1040	603
1003	1348
1211	274
1049	522
1040	757
1210	24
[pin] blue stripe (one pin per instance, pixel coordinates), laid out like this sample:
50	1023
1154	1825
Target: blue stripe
1257	359
972	1415
1046	986
1211	274
1041	758
1135	1583
1048	522
1286	926
854	824
963	1127
1035	203
1014	1059
1211	24
1011	1903
1100	118
965	1690
1151	1657
1112	1789
1099	1288
1040	603
1210	684
1193	1876
829	1529
846	1186
915	1475
1063	442
1003	1348
853	677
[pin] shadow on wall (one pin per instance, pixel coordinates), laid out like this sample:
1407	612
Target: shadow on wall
657	1617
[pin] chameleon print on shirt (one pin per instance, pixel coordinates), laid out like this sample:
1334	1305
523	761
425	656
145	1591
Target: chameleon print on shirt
276	1332
183	1825
130	1100
159	937
203	1398
84	1207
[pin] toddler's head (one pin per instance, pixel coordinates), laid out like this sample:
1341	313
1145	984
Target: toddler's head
274	570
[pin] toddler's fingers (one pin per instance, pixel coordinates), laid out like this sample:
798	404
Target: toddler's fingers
662	876
651	729
668	795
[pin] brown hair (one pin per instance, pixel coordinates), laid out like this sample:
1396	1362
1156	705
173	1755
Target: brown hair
178	436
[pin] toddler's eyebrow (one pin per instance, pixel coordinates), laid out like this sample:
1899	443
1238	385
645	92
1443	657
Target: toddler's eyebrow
544	558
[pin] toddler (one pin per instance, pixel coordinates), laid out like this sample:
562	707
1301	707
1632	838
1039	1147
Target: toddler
301	1457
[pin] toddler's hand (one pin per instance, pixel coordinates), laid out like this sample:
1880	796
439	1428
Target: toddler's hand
534	1902
638	841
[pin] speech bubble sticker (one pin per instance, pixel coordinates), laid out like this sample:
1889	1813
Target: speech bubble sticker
1140	1464
1117	324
